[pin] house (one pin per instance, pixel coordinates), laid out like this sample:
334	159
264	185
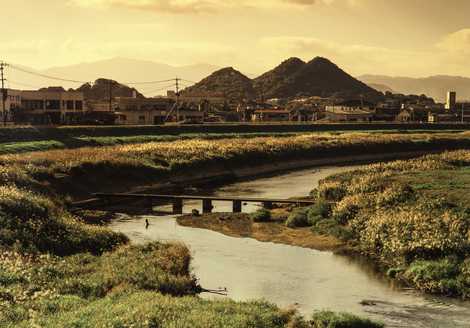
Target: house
413	114
141	111
214	98
140	116
151	111
271	115
350	111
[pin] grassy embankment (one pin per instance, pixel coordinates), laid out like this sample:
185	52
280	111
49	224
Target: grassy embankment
412	217
27	139
45	277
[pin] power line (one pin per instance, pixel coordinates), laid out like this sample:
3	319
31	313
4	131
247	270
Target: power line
148	82
160	89
189	81
47	76
23	84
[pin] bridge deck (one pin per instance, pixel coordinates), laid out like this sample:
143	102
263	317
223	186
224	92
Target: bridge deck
211	198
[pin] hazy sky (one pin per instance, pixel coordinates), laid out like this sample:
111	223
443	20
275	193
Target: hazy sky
393	37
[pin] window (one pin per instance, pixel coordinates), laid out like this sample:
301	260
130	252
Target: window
53	104
33	104
69	104
78	105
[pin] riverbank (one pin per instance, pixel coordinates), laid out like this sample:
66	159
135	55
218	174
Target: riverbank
409	217
77	173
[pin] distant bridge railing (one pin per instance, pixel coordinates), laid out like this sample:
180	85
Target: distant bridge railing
178	200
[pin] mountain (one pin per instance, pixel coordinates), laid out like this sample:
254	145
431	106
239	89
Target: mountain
229	81
100	90
318	77
381	87
274	82
433	86
118	69
292	78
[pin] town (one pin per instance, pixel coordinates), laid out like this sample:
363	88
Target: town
57	106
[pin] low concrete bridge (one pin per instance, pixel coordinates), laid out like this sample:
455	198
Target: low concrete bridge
177	200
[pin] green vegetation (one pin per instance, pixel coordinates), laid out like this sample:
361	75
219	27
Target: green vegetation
89	141
31	222
57	271
328	319
91	169
298	218
412	217
261	215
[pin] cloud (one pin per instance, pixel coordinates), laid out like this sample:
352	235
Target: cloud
197	6
457	42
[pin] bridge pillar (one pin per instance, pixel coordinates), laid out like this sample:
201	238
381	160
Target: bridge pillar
237	206
207	206
177	206
268	205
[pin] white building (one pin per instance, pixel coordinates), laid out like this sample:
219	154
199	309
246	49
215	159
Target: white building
451	100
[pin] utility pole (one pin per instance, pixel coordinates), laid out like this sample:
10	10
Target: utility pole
463	105
177	100
110	91
4	95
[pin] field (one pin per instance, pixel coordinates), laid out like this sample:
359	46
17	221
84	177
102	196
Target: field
58	271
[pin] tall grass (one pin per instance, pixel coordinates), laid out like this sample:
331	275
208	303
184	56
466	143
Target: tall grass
424	231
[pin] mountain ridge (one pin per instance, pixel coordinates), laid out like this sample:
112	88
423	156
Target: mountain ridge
292	78
435	86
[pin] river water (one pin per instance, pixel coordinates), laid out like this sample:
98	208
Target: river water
290	275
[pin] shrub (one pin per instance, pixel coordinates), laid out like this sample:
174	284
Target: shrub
394	272
32	222
261	215
437	276
412	232
331	190
330	227
347	209
394	195
298	218
328	319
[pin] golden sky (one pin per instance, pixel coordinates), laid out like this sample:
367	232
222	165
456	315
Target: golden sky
393	37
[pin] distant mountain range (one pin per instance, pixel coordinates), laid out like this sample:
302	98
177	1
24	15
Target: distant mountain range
119	69
292	78
433	86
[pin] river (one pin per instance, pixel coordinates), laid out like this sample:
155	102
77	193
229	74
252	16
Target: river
289	275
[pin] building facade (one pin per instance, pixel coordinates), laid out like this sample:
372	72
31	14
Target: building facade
49	106
12	104
451	100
